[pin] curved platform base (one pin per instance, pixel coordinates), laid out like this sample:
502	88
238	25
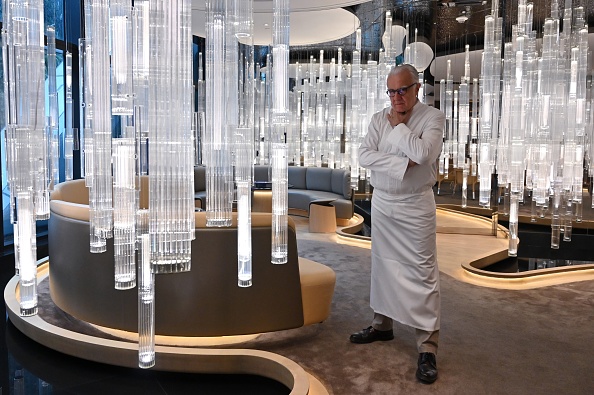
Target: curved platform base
176	359
468	241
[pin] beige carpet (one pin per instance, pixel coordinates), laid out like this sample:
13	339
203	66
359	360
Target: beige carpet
493	341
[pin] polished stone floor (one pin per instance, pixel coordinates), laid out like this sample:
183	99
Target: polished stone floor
27	368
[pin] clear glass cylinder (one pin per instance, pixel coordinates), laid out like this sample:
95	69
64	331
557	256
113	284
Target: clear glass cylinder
121	61
244	234
69	130
27	254
170	136
279	203
513	226
146	306
124	190
217	139
53	119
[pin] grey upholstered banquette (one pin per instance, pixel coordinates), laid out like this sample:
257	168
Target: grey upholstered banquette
307	185
205	301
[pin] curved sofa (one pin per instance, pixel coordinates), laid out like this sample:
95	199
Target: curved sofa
204	301
307	185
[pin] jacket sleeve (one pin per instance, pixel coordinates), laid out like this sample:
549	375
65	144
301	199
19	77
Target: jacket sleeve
372	158
424	148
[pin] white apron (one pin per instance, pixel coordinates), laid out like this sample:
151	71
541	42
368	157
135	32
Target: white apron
404	272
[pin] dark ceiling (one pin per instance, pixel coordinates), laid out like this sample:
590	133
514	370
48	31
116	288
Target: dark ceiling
436	24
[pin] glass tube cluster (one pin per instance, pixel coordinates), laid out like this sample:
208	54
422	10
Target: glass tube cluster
143	77
544	129
26	137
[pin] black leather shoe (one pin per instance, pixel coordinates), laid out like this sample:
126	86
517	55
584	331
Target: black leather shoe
370	334
427	367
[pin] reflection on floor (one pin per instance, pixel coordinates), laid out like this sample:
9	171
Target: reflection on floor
27	368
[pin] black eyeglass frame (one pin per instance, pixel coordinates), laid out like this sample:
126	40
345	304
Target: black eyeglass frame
400	91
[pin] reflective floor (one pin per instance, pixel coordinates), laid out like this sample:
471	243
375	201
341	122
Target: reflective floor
29	368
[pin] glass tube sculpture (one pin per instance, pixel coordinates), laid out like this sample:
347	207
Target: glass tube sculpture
540	141
280	120
171	150
26	140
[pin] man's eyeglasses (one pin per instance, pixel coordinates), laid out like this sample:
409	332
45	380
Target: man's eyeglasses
400	91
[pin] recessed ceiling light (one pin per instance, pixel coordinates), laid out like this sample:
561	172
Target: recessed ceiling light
461	18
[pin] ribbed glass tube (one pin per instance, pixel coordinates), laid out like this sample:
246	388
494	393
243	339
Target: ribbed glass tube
513	226
27	254
100	184
69	130
124	192
121	49
146	306
490	74
53	121
244	234
355	132
244	142
217	139
279	203
86	107
171	150
140	73
280	121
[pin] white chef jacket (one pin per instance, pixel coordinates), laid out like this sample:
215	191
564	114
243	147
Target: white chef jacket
404	272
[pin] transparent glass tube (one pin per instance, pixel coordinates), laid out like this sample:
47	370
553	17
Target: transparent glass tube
100	190
170	138
85	95
121	48
280	121
146	307
464	184
354	112
124	191
140	72
27	254
244	234
279	204
69	131
217	139
53	124
513	226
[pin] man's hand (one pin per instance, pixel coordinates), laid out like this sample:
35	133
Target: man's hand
396	118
